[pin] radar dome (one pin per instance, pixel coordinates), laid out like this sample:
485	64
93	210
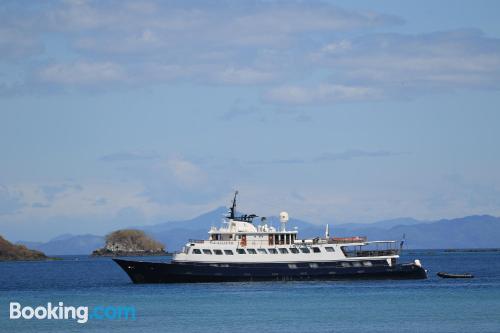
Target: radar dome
283	217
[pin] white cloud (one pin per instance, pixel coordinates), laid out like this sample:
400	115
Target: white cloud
82	73
185	173
11	201
173	181
336	47
131	43
99	207
397	62
133	155
355	153
251	23
15	44
321	94
72	199
243	76
394	65
102	206
53	191
148	42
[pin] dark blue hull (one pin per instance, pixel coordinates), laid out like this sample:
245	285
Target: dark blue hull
157	272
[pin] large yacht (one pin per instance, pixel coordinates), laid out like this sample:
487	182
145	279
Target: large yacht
244	250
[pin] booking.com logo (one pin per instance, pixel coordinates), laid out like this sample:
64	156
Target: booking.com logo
81	314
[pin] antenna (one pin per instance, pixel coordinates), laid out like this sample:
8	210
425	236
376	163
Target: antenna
327	232
402	243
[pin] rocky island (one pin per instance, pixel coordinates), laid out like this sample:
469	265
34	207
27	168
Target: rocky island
9	251
130	242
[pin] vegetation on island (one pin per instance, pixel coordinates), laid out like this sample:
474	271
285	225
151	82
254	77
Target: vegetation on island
130	242
9	251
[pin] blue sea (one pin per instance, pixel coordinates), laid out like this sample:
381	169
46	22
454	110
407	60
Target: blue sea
432	305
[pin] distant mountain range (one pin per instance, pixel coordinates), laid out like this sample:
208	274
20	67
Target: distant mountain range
68	244
477	231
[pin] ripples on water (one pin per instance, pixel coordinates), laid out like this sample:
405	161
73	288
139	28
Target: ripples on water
433	305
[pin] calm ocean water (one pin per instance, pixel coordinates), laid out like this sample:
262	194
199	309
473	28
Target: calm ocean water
433	305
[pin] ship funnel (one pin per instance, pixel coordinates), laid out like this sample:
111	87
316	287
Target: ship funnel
283	220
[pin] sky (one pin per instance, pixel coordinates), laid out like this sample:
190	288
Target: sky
120	113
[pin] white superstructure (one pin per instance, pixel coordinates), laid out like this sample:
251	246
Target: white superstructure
238	240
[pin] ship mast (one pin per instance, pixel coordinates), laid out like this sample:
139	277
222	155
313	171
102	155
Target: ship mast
232	210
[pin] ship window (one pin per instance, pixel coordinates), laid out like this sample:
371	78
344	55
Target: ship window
356	264
329	249
228	252
241	251
218	252
316	249
196	251
294	250
205	251
304	250
313	265
283	250
346	264
262	251
367	263
292	266
273	251
251	251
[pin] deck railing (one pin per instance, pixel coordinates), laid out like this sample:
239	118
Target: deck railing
222	242
196	241
343	240
371	253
